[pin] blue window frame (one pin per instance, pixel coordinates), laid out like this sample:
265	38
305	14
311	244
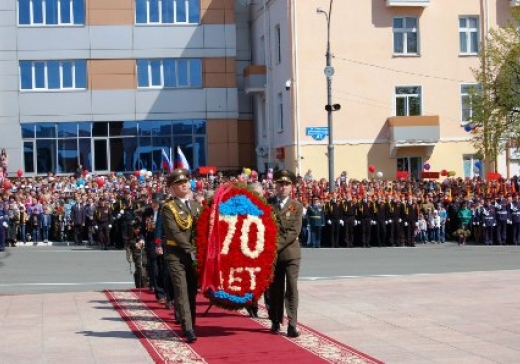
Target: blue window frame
167	11
169	73
51	12
53	75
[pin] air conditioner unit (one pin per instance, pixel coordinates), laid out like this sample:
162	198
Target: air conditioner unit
262	150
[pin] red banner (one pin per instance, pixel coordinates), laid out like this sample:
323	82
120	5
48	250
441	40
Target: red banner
402	175
207	169
493	176
430	175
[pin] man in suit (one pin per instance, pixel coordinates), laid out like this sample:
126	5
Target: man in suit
77	217
179	215
287	268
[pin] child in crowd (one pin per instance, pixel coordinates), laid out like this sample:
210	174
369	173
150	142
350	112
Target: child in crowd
422	229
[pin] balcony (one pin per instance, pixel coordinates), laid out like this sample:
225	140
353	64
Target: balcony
409	3
254	79
413	131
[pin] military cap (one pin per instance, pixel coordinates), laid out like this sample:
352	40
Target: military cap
157	196
178	175
284	176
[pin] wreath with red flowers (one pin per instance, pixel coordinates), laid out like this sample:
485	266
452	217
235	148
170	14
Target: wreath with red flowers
236	236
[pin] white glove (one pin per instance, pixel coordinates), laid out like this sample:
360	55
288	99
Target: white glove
509	222
329	222
495	224
406	223
341	222
374	222
96	227
110	226
4	224
118	216
477	223
386	222
400	220
389	221
355	222
121	212
193	256
358	222
416	224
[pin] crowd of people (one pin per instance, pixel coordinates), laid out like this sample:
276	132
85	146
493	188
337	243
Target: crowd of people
371	212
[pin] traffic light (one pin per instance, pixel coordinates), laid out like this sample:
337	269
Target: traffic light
334	107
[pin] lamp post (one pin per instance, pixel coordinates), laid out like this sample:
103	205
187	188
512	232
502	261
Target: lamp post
329	72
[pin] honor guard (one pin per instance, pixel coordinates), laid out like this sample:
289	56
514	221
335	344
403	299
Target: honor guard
124	209
103	220
284	288
150	220
380	218
366	217
488	221
395	222
333	215
501	219
350	222
179	216
316	217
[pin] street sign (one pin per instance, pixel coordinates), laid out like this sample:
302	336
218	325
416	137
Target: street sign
317	132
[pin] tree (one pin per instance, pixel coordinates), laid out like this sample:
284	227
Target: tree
495	103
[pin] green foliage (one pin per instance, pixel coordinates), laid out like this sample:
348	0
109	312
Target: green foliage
495	103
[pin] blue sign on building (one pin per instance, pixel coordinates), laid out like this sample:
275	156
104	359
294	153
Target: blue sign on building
317	132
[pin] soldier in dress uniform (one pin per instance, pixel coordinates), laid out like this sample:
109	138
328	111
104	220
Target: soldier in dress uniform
488	221
124	209
150	218
350	222
316	217
501	219
333	215
395	222
410	216
514	210
380	218
179	215
366	217
103	220
284	287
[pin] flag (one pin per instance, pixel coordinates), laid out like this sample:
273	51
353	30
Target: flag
181	161
166	162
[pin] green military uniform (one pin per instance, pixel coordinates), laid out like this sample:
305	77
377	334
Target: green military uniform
285	284
178	222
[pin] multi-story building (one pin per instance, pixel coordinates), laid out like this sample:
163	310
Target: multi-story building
111	84
402	70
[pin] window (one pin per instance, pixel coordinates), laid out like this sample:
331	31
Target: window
51	12
53	75
406	36
408	100
472	166
167	11
467	112
280	113
468	35
278	44
169	73
413	165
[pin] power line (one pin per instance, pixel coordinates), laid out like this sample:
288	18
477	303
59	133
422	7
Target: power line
399	71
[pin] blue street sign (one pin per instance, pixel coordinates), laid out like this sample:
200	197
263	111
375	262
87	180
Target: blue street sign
317	132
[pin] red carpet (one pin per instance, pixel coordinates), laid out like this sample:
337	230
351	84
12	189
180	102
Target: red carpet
224	337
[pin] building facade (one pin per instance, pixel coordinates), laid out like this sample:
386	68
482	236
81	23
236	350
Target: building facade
113	84
402	72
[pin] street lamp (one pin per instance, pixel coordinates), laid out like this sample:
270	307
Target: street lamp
329	72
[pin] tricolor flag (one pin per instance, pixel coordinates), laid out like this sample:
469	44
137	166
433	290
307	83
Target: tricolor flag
181	161
166	162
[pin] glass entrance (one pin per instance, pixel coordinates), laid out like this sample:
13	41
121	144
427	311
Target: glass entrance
100	155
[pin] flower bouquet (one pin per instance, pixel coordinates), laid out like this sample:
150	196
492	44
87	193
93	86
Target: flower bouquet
236	246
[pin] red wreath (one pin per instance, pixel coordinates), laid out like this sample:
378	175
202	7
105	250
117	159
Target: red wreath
235	257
